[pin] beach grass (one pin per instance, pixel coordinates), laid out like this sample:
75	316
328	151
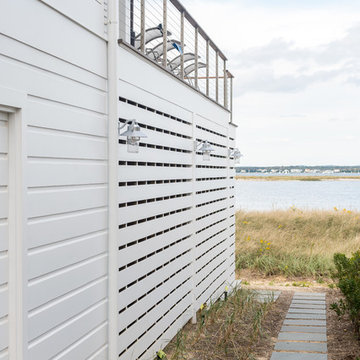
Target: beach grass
296	177
293	242
226	329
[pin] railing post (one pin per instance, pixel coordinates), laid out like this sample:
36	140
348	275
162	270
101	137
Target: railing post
217	76
225	87
182	32
142	46
231	98
164	25
196	56
207	66
132	32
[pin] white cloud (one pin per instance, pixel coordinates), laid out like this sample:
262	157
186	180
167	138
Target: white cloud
297	76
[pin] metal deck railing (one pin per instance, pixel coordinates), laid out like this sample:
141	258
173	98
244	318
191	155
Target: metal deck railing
164	31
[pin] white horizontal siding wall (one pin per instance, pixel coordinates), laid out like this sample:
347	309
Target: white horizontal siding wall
55	54
176	243
4	237
175	215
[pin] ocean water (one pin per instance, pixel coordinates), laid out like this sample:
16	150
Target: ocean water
307	195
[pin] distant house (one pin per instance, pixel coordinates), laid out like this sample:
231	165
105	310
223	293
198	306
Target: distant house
296	171
116	177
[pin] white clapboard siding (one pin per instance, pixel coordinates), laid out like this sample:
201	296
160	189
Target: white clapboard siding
4	301
37	83
3	202
57	201
4	235
56	285
62	78
57	228
89	18
54	144
14	49
58	312
4	334
66	334
52	115
65	38
91	346
43	172
67	253
3	167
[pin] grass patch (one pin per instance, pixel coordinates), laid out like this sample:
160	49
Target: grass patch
294	242
228	329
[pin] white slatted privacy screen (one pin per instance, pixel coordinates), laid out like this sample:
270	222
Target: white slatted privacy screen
176	225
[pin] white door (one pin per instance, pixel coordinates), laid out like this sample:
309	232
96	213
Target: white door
4	243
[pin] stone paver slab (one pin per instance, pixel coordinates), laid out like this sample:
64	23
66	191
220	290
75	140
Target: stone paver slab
297	356
290	336
307	306
301	346
304	329
307	300
305	316
304	322
319	303
266	295
307	311
301	293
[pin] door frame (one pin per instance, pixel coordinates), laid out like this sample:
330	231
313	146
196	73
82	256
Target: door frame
14	103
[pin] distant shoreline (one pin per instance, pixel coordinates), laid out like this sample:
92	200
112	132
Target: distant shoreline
295	178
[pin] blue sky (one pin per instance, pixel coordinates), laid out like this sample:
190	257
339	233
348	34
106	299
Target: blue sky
297	68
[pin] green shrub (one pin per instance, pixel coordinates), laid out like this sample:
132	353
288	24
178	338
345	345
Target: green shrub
348	278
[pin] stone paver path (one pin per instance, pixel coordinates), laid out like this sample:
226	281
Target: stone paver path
303	334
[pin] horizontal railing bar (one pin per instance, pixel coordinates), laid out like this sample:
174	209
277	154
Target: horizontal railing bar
204	77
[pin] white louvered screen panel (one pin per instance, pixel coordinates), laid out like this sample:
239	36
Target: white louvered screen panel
4	240
155	213
231	219
212	228
175	243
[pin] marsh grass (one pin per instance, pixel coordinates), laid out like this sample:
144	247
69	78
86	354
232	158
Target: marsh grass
226	329
294	242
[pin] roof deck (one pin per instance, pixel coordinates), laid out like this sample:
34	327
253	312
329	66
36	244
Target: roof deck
165	32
